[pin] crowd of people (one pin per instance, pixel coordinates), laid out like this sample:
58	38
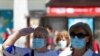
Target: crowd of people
77	41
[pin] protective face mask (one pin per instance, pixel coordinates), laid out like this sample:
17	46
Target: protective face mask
62	44
77	43
38	43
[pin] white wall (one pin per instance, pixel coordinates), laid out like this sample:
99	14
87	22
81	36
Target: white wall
6	4
37	4
32	4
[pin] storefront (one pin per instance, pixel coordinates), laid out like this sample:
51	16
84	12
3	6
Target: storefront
64	10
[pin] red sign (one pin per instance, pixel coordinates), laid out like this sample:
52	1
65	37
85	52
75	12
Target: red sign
64	11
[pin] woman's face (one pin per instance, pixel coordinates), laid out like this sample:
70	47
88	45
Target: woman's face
63	37
38	34
79	38
63	41
39	40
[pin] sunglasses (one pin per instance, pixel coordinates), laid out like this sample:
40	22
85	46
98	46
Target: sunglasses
79	35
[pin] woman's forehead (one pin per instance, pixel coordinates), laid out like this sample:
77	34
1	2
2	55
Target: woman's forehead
37	33
78	31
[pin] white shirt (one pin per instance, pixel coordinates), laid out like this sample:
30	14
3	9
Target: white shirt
66	52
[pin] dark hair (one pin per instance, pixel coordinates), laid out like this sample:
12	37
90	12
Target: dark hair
86	28
43	30
49	27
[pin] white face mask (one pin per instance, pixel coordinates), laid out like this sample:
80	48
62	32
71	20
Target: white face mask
62	44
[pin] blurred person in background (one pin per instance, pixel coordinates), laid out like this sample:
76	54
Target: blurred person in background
51	37
62	40
6	34
81	39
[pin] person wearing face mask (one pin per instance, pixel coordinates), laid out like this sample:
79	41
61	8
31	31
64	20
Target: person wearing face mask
62	40
81	39
39	43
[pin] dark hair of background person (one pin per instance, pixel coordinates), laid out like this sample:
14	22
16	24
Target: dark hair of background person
49	27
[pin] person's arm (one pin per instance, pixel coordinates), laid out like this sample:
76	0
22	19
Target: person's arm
12	38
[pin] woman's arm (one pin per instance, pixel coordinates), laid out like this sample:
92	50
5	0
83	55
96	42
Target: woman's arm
12	38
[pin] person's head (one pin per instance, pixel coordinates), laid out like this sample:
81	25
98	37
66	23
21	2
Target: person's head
49	28
63	39
40	37
81	35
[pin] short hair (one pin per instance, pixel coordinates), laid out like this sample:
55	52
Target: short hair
86	28
67	37
43	30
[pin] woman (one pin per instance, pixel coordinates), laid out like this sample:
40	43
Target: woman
81	39
39	43
62	40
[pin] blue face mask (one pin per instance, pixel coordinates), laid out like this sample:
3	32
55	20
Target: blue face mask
38	43
77	43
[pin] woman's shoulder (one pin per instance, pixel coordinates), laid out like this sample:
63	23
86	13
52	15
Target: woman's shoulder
52	51
47	53
89	52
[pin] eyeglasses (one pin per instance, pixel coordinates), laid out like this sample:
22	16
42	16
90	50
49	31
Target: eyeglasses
79	35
